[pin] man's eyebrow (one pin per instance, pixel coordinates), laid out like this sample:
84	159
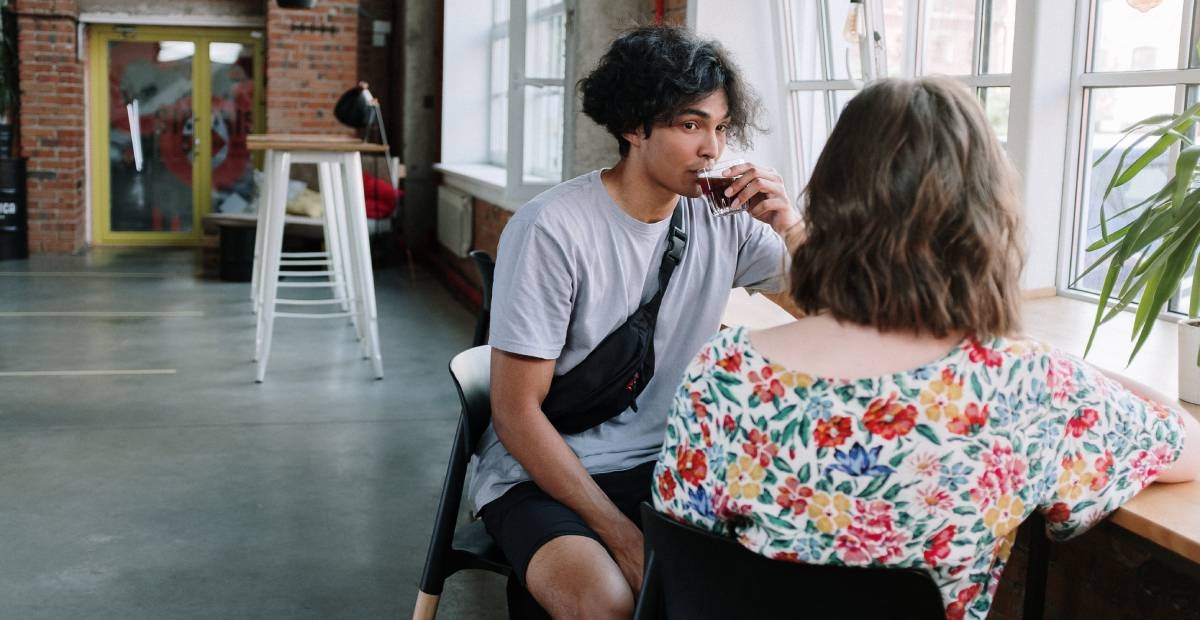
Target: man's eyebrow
697	112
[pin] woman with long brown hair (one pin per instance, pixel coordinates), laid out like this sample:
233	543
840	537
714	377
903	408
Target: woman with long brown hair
904	422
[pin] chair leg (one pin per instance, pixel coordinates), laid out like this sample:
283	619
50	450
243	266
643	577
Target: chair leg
426	607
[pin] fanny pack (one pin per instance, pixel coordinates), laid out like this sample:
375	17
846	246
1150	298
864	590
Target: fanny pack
609	380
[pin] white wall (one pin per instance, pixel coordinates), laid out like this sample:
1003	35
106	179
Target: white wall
1038	130
465	85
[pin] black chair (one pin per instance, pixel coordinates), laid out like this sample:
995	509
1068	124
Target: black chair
453	549
487	270
693	574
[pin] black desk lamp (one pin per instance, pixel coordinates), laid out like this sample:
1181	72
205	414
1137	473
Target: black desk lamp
359	109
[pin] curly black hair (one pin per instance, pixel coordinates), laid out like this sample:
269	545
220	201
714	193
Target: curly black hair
651	73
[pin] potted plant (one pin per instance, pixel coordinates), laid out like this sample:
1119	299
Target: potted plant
1148	257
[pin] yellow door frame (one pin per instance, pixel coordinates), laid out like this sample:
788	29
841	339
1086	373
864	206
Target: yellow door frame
99	36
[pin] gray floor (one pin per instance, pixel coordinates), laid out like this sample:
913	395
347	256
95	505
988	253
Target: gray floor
201	494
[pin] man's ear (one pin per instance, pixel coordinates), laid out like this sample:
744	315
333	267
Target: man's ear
635	138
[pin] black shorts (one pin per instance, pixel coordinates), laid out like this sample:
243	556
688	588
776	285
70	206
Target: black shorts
525	517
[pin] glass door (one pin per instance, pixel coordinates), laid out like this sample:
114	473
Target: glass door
171	109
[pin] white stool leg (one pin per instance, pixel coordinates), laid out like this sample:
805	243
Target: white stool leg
356	220
344	250
333	233
260	230
274	247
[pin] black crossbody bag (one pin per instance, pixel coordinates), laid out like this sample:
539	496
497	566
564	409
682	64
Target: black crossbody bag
609	380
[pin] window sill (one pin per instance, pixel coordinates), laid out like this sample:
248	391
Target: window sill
483	181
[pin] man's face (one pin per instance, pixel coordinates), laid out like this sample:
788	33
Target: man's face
677	151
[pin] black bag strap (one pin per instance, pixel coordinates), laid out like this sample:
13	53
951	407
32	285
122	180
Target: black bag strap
672	256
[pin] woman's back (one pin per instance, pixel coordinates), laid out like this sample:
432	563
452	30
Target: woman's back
931	462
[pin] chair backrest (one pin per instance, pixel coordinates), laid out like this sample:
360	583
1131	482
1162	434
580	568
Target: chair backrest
487	273
472	374
690	573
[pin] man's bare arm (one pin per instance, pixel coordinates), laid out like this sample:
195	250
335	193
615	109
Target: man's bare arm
519	385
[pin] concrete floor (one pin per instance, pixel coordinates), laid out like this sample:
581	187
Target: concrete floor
200	494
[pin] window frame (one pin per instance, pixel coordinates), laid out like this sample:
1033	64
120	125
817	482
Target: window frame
916	27
469	162
1072	233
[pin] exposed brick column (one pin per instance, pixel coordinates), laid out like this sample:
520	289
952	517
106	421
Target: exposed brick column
674	11
52	123
311	60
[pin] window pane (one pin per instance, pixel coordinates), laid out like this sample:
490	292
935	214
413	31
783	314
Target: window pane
498	105
545	35
998	46
894	34
811	127
804	32
949	36
498	129
1111	110
499	81
543	133
1131	40
846	29
840	99
995	103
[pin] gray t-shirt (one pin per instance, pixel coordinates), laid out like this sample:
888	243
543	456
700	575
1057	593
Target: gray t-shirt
572	266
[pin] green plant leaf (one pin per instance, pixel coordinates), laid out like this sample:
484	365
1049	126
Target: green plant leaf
1185	168
1148	257
1166	141
1194	302
1160	290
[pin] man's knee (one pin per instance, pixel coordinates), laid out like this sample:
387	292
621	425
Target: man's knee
574	577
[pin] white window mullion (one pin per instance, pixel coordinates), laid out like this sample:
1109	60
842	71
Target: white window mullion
982	16
823	85
1077	164
985	81
826	40
515	162
921	18
1160	77
1187	36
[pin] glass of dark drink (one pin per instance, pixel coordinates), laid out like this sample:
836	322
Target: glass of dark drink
713	184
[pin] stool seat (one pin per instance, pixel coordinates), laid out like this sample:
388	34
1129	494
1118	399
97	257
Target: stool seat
346	262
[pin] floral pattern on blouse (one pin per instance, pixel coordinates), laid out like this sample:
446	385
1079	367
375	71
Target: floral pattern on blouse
932	468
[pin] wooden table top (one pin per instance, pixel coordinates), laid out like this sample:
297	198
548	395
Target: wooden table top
310	142
1167	514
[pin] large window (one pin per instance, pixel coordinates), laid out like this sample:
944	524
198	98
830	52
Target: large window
536	94
504	97
1135	59
833	46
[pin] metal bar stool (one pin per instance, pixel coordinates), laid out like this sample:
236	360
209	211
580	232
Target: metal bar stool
346	258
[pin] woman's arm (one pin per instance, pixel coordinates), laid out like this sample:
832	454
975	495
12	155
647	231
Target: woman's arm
1187	466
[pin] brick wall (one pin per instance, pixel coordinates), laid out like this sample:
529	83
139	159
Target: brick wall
52	123
674	11
311	60
381	67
